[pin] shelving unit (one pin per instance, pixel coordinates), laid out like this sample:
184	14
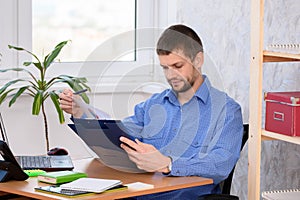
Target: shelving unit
256	132
269	56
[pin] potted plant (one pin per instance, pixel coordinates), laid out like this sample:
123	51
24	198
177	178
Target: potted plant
38	87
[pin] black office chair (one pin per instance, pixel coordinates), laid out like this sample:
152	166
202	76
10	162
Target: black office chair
226	185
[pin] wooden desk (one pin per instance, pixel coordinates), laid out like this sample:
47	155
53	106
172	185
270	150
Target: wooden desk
96	169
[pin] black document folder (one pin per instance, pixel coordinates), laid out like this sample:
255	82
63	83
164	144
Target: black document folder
102	136
105	133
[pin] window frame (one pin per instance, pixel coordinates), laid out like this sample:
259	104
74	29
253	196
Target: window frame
149	14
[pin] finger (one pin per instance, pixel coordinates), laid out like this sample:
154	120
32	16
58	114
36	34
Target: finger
63	96
68	106
131	144
67	91
64	104
128	142
144	147
127	148
67	102
140	146
138	141
66	98
66	94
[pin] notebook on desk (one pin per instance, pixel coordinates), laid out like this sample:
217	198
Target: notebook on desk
47	163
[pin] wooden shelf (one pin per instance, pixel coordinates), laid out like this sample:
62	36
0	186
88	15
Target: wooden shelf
270	56
272	135
257	133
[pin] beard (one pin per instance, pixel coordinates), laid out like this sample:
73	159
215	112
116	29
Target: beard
178	87
176	83
188	83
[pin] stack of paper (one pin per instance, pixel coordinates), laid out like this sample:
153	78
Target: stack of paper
96	185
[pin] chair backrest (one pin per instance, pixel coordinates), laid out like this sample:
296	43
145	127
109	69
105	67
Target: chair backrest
227	182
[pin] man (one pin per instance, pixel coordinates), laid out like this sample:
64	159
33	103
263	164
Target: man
191	129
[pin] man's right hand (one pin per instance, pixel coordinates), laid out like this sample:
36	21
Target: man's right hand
69	103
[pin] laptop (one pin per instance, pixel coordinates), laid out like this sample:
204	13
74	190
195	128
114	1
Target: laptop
47	163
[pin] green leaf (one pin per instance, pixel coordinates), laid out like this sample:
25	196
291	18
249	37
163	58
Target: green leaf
16	48
22	49
67	79
4	95
85	98
27	63
39	66
54	98
42	85
21	70
12	69
77	87
86	86
36	64
20	91
37	102
9	84
51	56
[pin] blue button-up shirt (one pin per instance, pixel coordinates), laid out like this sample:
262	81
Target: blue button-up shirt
203	136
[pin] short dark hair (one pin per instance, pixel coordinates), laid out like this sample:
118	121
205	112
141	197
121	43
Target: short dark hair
179	37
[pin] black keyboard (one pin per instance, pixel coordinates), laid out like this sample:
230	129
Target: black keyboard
28	162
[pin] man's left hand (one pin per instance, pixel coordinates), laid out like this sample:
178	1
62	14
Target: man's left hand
145	156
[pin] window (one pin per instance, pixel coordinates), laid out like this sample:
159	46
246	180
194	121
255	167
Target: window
127	56
87	23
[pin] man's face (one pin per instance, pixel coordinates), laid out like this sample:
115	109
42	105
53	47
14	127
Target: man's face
179	71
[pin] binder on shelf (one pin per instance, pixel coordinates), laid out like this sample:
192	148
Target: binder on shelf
290	194
284	48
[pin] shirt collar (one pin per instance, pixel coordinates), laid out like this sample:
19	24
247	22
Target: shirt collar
202	93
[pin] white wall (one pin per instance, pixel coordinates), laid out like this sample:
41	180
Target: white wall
224	27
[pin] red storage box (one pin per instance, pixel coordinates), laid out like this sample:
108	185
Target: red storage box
283	112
